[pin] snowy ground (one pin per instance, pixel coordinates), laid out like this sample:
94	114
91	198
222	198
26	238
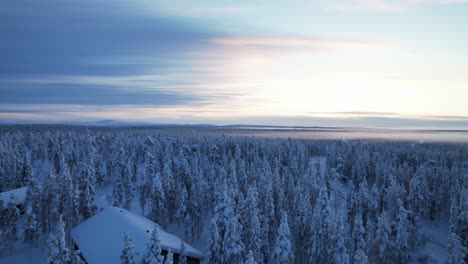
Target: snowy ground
437	241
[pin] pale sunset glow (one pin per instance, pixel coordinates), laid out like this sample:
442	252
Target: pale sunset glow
281	63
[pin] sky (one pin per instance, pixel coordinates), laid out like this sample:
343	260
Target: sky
296	62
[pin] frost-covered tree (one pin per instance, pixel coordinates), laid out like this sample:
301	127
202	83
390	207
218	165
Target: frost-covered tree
11	217
129	252
282	253
382	245
359	242
214	243
169	257
86	204
57	252
232	243
182	214
340	251
183	254
31	227
403	234
158	201
250	258
76	258
252	221
153	256
457	252
320	229
419	196
360	257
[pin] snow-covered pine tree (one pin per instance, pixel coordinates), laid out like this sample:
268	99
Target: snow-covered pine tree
282	252
252	221
382	244
11	217
183	254
76	258
31	227
182	214
158	201
27	172
86	187
127	185
360	257
57	252
359	242
214	243
419	196
153	256
250	258
340	252
320	229
129	252
458	254
169	257
403	237
232	243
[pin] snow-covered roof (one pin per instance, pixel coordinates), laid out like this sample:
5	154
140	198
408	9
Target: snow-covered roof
101	237
19	194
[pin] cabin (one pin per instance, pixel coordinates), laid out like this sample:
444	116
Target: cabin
19	197
100	238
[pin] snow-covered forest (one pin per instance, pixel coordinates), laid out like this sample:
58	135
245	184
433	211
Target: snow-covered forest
254	200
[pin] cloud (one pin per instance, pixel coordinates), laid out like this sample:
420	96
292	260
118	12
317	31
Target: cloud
383	5
292	42
91	37
78	94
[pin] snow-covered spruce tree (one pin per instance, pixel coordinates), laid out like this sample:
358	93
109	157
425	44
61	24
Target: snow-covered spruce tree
31	227
86	187
196	206
117	190
2	240
214	243
127	186
283	252
183	254
419	196
169	257
403	234
153	256
129	252
267	219
252	221
158	201
233	246
68	201
250	258
382	245
182	214
340	252
360	257
57	252
49	203
302	219
393	192
11	217
462	217
320	229
75	258
457	252
27	172
223	215
359	242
